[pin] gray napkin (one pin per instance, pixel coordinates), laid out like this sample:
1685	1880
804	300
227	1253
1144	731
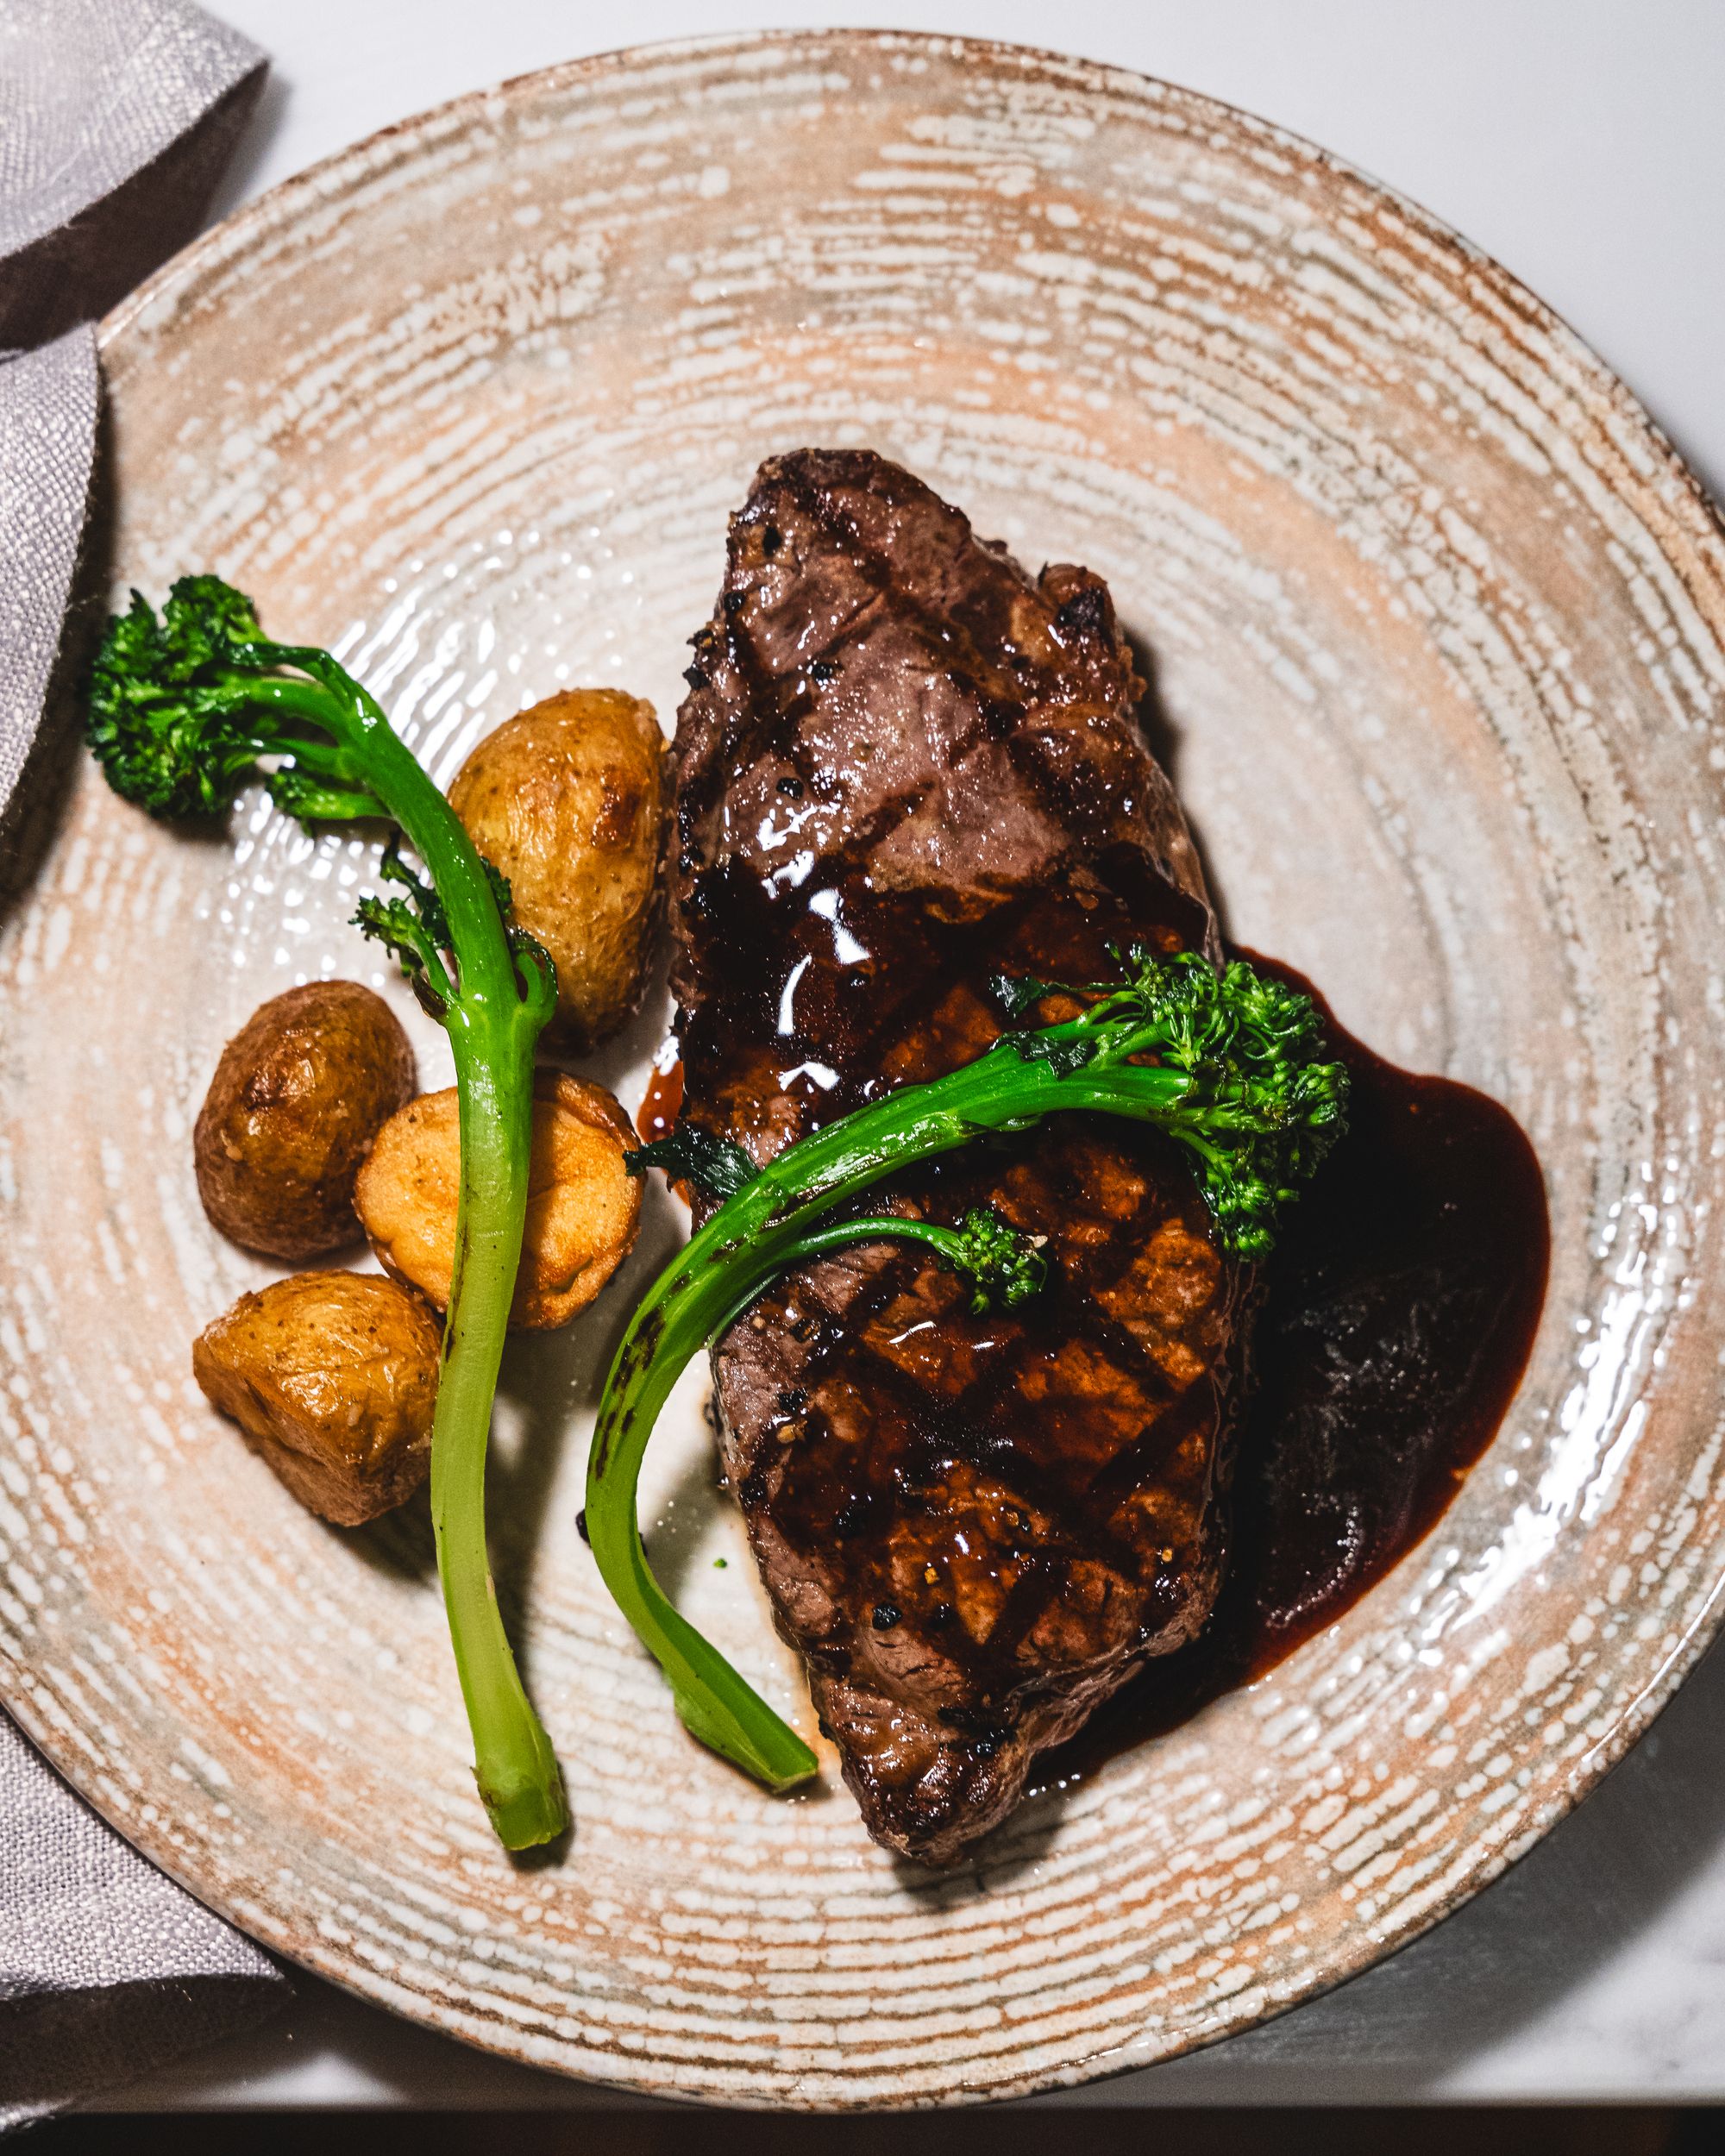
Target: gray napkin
47	440
106	1967
117	118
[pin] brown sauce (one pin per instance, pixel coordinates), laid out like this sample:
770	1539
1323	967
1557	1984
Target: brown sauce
1401	1306
662	1101
986	1494
1398	1313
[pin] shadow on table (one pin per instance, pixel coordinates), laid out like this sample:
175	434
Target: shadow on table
1318	2131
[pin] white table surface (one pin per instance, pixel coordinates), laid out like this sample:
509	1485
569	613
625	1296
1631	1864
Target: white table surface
1582	142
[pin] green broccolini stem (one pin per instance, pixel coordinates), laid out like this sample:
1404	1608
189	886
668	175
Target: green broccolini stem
1001	1265
1241	1086
180	713
761	1231
686	1307
492	1030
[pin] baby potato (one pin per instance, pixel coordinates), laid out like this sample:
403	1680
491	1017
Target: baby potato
300	1092
582	1209
333	1378
570	800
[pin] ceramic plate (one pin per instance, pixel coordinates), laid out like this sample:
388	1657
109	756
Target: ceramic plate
1437	619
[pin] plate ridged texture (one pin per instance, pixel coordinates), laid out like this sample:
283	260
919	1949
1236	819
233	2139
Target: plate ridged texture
1436	621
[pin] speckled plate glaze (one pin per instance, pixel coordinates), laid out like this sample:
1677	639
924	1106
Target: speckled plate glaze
1436	620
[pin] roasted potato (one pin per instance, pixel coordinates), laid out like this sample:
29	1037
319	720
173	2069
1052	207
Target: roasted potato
298	1095
333	1377
582	1209
569	799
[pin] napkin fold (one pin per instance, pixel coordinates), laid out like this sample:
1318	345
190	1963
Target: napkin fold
117	118
48	403
107	1968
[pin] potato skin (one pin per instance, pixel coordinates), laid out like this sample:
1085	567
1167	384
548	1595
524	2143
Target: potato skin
570	799
333	1378
300	1092
583	1210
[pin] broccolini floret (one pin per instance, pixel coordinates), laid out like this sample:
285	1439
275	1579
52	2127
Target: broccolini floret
1229	1064
185	710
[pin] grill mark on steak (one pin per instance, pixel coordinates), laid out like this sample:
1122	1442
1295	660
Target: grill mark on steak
903	764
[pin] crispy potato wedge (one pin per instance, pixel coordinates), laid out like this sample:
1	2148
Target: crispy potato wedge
299	1093
569	799
333	1378
582	1209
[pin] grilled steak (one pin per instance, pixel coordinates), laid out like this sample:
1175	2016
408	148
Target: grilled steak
904	764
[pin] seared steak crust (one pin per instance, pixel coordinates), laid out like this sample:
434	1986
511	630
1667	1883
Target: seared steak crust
903	765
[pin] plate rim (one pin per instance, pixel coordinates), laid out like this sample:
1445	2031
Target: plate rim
1668	479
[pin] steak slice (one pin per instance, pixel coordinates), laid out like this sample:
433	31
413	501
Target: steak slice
904	764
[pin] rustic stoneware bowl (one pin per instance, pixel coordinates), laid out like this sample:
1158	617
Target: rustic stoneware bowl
1437	621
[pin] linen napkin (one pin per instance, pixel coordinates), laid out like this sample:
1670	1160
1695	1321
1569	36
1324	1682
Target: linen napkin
117	118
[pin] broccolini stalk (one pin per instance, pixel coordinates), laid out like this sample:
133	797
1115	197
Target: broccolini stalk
181	711
686	1306
1228	1065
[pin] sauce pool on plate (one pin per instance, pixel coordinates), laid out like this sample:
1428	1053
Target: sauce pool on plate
1400	1308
